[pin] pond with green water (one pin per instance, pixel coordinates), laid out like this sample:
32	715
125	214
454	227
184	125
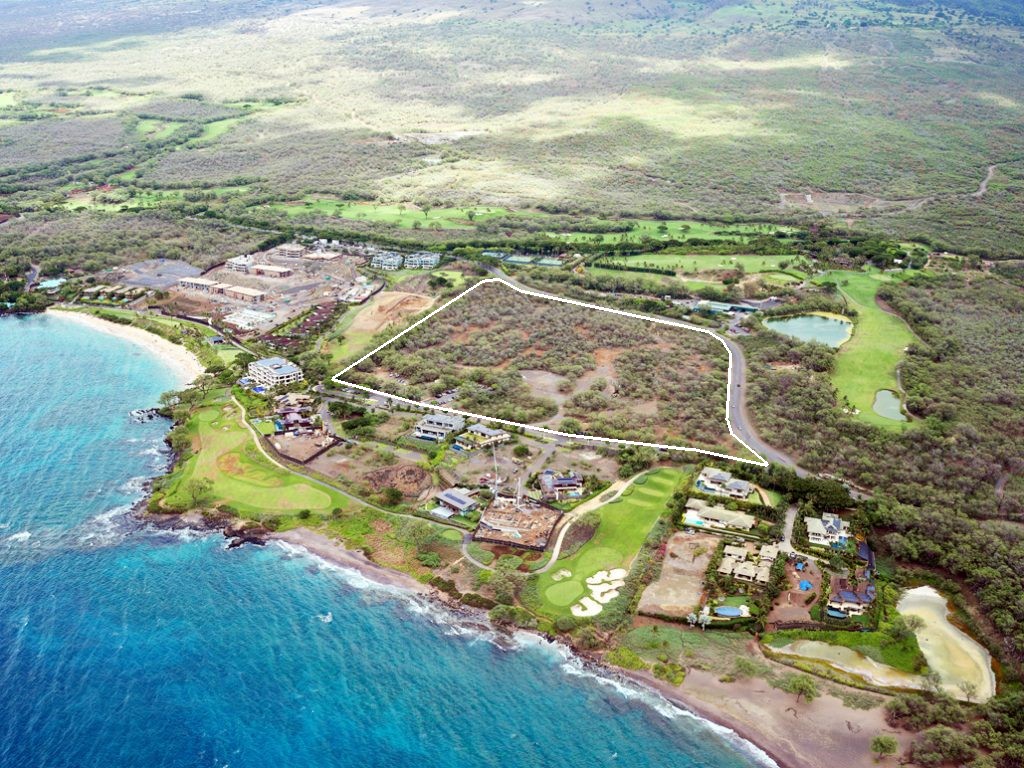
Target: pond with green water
825	329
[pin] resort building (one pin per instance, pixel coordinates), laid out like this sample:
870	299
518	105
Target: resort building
722	483
422	260
249	319
479	436
437	426
270	270
387	260
701	514
239	263
274	372
556	486
240	293
829	530
454	501
191	284
291	250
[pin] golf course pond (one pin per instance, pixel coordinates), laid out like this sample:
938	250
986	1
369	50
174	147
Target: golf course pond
822	327
887	404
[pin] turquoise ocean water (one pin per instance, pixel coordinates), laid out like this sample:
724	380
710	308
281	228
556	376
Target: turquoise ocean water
121	645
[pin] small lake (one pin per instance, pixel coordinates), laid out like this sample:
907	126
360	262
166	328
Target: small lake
825	329
888	405
951	652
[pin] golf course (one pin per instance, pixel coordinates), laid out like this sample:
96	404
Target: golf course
625	524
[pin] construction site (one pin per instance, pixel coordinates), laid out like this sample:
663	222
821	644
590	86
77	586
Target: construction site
254	293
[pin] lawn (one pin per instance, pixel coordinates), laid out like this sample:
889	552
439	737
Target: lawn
624	526
242	477
868	361
156	130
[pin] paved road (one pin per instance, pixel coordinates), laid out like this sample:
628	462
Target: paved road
739	417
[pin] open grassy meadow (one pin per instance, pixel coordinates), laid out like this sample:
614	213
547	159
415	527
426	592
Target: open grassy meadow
868	361
625	523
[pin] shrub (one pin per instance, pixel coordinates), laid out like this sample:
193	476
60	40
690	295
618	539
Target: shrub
940	745
429	559
622	656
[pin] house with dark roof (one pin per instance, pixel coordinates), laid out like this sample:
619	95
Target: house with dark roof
721	483
557	486
849	599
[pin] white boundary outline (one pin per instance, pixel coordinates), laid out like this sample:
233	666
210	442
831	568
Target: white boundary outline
663	321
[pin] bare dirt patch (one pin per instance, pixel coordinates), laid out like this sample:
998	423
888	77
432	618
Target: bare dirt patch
844	202
678	590
388	308
410	479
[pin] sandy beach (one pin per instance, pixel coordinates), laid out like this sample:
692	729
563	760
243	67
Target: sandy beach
333	552
822	734
185	365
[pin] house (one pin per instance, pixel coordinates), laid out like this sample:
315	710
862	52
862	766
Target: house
768	553
274	372
829	530
701	514
722	483
387	260
853	601
739	553
437	426
479	436
736	564
560	486
454	501
422	260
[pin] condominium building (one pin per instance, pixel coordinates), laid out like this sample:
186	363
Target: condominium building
274	372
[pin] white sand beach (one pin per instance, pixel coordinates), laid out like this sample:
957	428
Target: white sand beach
185	364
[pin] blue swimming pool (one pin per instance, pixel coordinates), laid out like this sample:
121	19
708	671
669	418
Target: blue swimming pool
728	610
833	613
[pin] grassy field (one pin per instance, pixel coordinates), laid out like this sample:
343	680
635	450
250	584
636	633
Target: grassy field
624	525
867	362
156	130
672	229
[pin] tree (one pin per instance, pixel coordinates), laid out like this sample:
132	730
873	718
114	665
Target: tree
884	745
968	688
802	685
197	489
391	496
520	451
419	533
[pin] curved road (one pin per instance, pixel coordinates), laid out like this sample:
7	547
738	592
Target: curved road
738	416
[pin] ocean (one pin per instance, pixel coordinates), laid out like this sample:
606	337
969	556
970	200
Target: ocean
124	645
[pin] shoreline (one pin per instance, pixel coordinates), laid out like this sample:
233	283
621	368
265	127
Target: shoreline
184	364
762	731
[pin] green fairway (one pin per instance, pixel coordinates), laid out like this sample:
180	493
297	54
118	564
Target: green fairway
624	526
715	263
156	130
216	129
867	362
405	216
226	454
674	229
